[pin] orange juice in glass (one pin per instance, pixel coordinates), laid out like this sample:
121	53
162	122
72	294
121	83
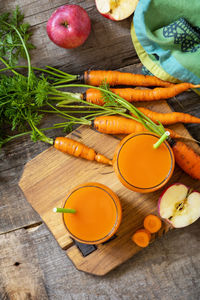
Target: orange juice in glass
139	166
98	213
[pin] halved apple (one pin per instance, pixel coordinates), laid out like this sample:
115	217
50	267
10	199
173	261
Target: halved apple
179	205
116	10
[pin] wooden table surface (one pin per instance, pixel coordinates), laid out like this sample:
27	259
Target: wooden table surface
32	265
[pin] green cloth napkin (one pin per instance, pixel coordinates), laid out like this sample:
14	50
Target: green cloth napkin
166	35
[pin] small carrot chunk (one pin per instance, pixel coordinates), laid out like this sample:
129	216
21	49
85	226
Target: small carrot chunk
152	223
141	238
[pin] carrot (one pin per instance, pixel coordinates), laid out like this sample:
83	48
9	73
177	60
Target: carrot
103	159
77	149
113	78
152	223
187	159
141	238
121	125
95	96
169	118
117	125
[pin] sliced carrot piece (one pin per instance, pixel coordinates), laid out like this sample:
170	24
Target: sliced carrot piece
141	238
152	223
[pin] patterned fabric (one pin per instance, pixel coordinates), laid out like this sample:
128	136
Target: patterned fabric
184	34
166	36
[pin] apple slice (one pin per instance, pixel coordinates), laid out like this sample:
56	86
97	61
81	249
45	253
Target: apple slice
116	10
179	205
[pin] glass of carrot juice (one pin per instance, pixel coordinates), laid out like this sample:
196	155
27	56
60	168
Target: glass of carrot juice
139	166
98	213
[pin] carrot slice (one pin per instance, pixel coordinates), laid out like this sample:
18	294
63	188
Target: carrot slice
152	223
141	238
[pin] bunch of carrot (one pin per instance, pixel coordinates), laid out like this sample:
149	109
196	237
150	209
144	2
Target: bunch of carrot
113	119
164	90
185	156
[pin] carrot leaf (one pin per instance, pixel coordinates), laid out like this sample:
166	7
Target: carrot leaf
11	48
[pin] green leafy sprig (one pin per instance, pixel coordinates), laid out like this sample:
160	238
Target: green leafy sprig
11	48
113	102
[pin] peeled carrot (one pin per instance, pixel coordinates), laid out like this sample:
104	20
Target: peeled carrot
121	125
152	223
169	118
113	78
95	96
77	149
141	238
187	159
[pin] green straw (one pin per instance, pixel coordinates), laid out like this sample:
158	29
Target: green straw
64	210
161	140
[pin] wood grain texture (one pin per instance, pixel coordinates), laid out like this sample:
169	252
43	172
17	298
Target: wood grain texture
12	201
106	38
18	269
167	269
51	175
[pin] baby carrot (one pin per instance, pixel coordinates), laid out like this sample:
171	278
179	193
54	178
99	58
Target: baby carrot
169	118
152	223
113	78
95	96
187	159
141	238
77	149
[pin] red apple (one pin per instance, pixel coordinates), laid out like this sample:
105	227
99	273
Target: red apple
179	205
116	10
69	26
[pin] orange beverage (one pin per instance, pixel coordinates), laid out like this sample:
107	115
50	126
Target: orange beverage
98	213
139	166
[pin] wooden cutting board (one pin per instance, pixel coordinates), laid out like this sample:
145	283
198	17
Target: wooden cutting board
48	177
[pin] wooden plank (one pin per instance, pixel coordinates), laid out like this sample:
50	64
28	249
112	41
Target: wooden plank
15	212
18	279
112	52
49	176
17	152
168	269
110	41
